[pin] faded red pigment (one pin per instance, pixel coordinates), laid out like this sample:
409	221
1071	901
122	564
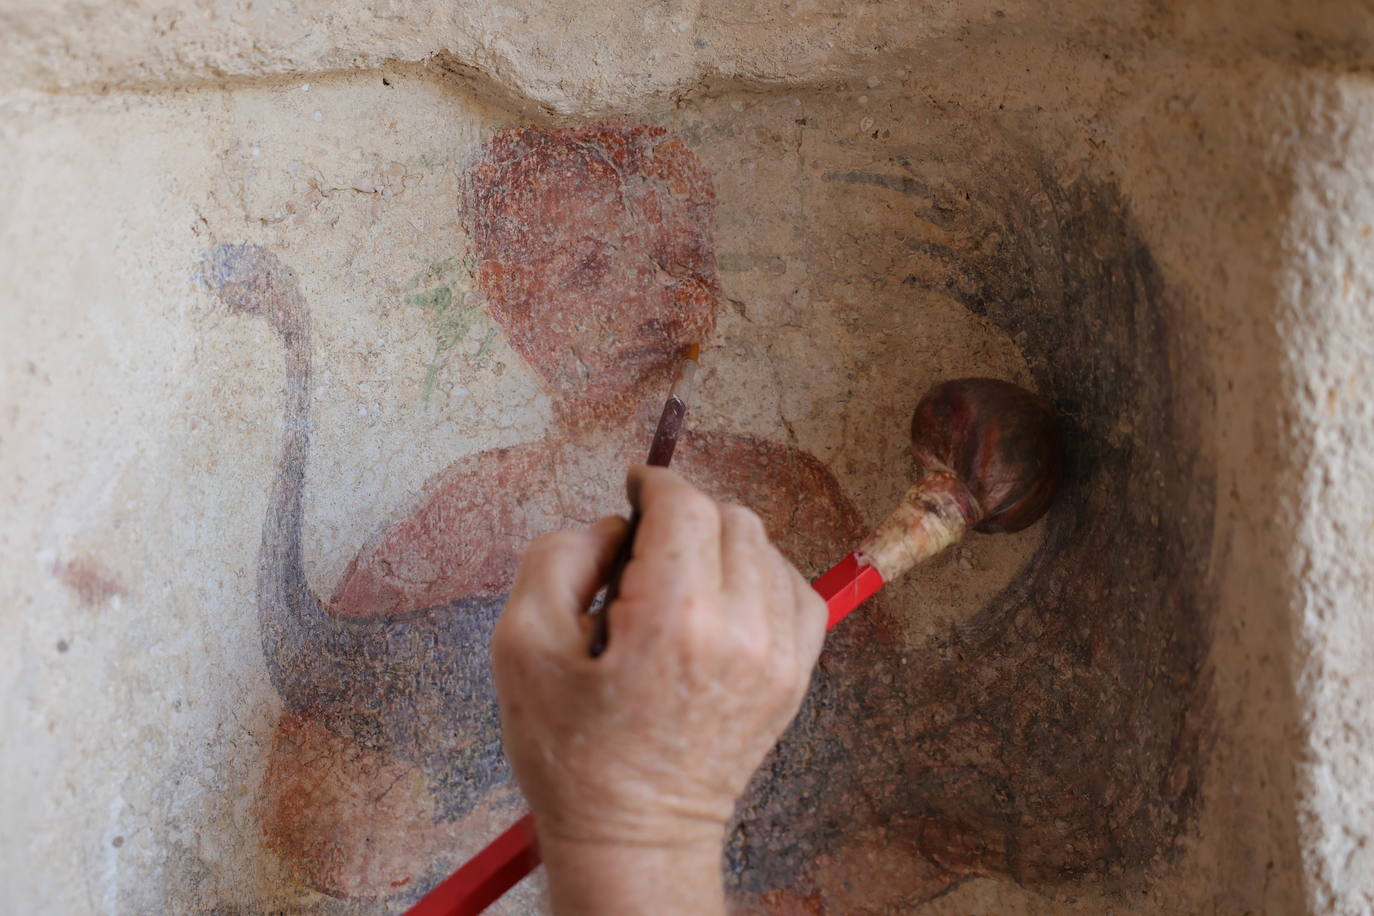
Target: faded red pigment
596	254
93	583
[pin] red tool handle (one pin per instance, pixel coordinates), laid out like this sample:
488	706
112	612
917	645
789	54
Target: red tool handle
486	876
513	855
845	586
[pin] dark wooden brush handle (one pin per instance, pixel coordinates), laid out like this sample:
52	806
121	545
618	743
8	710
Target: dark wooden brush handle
660	455
600	617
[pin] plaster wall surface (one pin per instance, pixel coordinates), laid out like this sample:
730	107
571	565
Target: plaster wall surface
243	242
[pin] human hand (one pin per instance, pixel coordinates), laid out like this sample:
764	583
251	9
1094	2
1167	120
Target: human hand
712	644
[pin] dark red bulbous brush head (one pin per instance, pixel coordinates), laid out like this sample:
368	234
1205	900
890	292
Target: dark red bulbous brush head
1004	443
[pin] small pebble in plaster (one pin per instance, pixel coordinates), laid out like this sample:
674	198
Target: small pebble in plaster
866	125
318	115
874	82
117	842
63	645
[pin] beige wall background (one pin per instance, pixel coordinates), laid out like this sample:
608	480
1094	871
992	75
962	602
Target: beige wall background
140	420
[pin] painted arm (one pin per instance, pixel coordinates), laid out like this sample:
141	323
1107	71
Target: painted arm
803	507
462	537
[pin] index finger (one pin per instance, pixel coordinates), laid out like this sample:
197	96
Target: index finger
558	577
678	542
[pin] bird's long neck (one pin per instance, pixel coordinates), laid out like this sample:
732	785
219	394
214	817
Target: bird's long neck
286	606
282	532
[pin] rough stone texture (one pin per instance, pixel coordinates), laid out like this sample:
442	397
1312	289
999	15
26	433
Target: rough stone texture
1161	216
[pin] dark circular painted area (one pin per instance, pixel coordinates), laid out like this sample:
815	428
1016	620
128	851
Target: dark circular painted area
1056	733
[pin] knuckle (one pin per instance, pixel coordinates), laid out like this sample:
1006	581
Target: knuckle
553	541
694	503
546	548
742	516
700	633
752	648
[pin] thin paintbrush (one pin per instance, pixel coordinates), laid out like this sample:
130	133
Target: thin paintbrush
660	454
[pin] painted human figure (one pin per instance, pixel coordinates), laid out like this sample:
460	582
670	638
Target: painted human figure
596	260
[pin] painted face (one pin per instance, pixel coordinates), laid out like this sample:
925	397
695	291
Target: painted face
596	253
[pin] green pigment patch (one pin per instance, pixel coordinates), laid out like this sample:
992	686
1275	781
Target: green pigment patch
447	291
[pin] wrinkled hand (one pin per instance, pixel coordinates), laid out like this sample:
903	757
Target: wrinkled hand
712	644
